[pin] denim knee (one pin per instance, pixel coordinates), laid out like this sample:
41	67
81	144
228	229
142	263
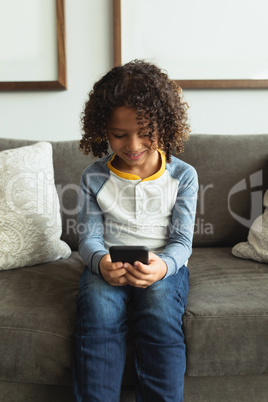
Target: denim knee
160	307
101	308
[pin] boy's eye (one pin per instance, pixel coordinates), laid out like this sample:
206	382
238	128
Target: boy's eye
116	135
119	136
142	135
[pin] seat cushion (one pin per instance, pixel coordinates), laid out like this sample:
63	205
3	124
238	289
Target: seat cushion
226	320
37	321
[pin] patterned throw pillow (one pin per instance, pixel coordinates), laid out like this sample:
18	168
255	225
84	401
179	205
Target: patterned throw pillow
30	221
256	248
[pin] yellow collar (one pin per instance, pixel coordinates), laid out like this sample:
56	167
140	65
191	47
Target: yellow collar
130	176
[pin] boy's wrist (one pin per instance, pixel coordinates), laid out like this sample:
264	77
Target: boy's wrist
96	260
102	259
165	269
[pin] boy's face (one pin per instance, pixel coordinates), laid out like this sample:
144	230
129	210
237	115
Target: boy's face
133	149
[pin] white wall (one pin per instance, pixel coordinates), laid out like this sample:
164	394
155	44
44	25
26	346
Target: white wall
226	111
54	115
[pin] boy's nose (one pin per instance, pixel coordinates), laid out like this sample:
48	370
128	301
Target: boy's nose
133	143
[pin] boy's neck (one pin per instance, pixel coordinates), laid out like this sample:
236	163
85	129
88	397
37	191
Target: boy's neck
143	171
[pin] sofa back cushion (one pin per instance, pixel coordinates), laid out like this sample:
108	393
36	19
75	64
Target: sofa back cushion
233	176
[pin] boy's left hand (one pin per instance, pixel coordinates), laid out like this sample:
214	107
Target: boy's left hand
141	275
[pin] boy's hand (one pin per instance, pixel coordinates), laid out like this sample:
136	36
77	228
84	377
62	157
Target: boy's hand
113	272
142	275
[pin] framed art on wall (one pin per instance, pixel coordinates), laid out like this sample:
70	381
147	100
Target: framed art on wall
32	45
202	44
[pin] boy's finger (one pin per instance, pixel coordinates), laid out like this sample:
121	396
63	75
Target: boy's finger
119	272
113	265
133	272
141	267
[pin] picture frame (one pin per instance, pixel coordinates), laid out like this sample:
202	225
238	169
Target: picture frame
54	78
124	29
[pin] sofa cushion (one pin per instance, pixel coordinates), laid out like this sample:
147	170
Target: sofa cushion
256	247
37	321
226	320
30	217
227	305
233	176
69	163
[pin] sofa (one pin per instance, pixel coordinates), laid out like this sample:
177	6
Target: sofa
226	319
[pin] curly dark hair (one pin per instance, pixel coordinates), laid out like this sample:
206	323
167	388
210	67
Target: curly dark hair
156	98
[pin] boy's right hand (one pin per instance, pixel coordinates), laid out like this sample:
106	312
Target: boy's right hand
113	272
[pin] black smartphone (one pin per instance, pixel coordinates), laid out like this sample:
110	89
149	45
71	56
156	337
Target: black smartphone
129	254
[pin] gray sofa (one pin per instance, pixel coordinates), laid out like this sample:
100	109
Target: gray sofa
226	321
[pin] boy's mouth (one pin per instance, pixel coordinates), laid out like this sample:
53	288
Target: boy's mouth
135	156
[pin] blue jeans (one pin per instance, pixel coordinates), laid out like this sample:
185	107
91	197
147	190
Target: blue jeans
160	358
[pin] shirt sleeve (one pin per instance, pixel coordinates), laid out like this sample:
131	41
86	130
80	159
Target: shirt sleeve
181	228
90	224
